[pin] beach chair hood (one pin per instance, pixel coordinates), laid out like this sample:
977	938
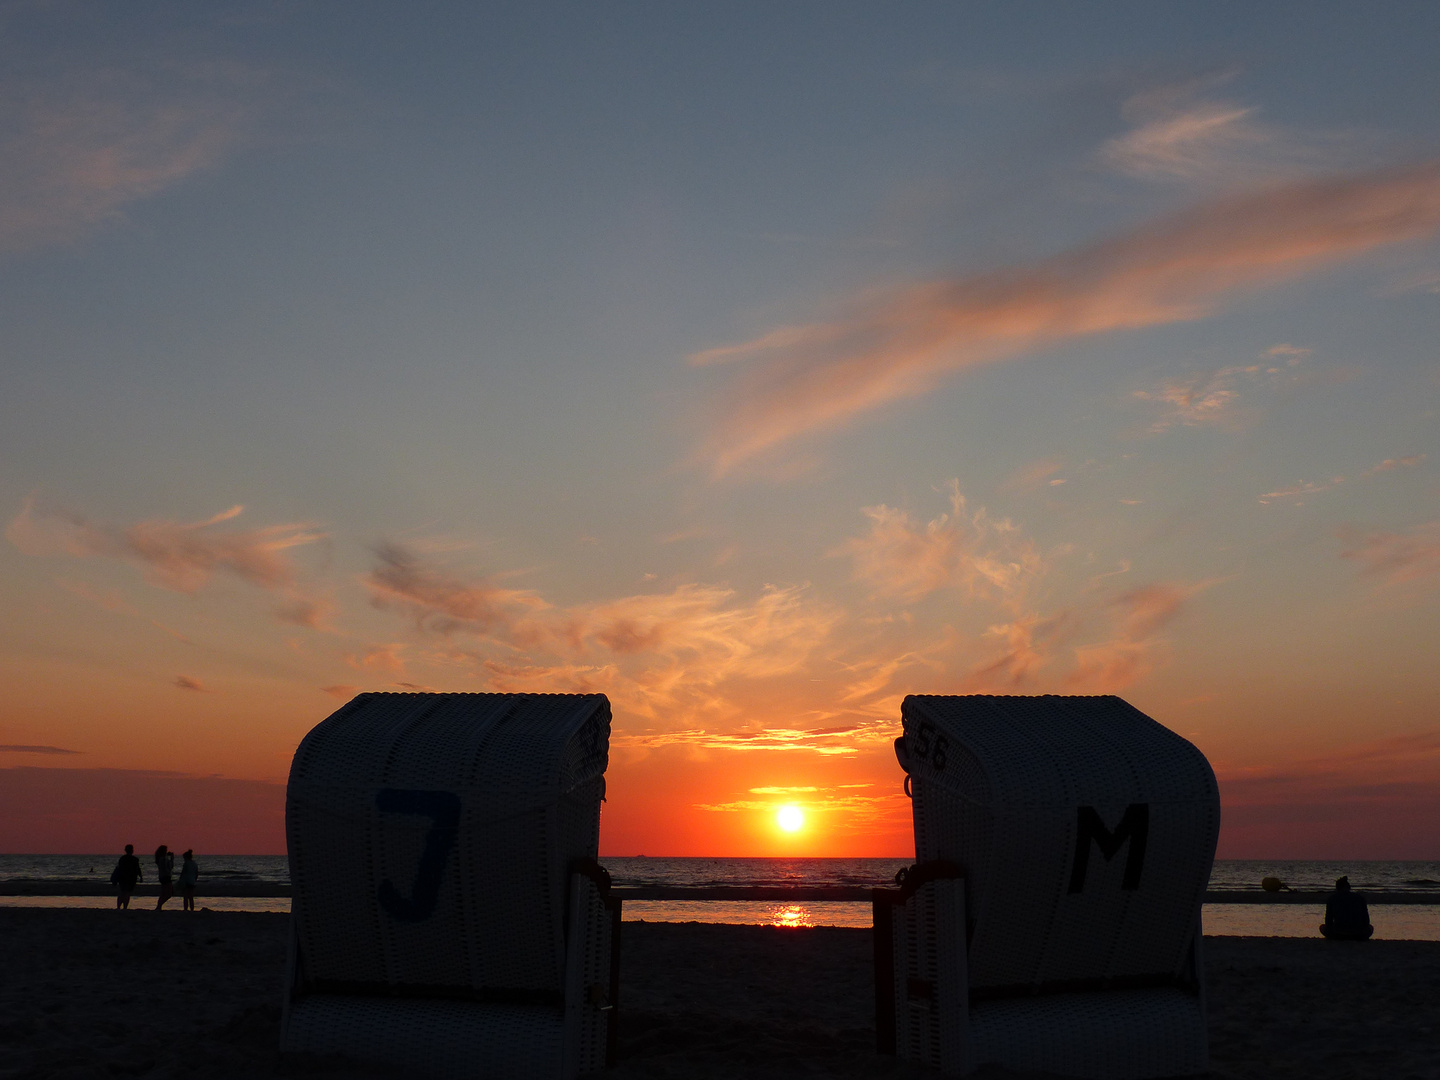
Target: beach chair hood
1085	830
431	838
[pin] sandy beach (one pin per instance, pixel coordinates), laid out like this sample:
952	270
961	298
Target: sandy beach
87	993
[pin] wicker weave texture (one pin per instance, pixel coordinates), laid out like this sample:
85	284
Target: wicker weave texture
931	990
420	823
1099	1035
441	1039
588	1008
1003	786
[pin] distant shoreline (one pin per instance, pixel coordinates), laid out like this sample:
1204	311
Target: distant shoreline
769	893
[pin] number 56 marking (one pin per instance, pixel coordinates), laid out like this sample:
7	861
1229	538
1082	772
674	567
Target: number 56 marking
926	745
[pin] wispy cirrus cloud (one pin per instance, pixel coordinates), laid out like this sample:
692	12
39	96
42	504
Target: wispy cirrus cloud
20	748
1300	490
177	555
892	346
1140	615
1391	464
389	657
685	653
660	656
1211	398
1397	557
1194	140
439	601
311	612
1296	493
971	552
1178	133
184	682
1025	647
183	556
827	742
76	148
702	624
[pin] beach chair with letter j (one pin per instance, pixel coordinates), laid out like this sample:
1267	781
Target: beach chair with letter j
449	918
1052	920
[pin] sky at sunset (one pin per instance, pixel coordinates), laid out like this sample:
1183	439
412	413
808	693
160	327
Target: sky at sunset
755	365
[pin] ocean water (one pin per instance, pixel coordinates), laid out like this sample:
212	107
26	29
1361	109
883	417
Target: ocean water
1413	922
272	868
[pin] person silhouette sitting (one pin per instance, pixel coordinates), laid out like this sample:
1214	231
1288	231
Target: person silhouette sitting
1347	916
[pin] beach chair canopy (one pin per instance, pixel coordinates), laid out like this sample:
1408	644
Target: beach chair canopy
1085	833
432	841
1085	829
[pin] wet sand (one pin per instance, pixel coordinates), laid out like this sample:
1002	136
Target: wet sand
87	993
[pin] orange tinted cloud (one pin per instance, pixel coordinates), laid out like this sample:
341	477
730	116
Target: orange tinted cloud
1110	666
311	612
1398	557
661	656
902	558
1200	141
182	556
1024	651
886	348
1192	402
702	626
439	601
1299	491
75	154
184	682
380	658
825	742
1391	464
671	658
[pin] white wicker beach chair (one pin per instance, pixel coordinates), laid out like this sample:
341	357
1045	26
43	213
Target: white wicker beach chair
448	915
1052	922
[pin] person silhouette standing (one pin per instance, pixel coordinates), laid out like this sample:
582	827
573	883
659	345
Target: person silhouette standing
1347	916
126	873
165	870
189	874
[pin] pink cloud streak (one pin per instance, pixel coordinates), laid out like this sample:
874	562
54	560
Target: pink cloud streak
182	556
887	348
1398	557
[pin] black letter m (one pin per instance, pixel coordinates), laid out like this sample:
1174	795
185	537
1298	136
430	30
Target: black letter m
1134	826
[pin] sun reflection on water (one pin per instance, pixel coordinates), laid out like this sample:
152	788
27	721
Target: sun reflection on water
793	915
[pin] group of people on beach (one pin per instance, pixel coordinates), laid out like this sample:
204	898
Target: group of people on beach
128	873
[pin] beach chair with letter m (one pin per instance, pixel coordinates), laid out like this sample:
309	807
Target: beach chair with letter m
1052	920
448	917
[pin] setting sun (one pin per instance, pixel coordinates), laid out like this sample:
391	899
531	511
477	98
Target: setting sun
790	818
